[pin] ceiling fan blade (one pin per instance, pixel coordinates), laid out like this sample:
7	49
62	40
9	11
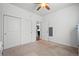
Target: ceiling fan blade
47	7
38	8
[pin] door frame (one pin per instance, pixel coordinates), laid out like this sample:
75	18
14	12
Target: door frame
4	25
3	15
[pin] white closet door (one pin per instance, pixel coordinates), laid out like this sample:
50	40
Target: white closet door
26	31
12	32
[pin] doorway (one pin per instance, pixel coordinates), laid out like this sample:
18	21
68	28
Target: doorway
38	31
17	31
12	31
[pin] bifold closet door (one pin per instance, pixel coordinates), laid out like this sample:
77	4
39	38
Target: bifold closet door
12	31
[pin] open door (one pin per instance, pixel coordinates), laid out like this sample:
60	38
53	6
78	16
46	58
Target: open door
38	31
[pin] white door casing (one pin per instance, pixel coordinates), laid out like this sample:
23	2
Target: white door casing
17	31
12	31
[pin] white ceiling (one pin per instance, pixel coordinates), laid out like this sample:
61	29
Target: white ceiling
33	6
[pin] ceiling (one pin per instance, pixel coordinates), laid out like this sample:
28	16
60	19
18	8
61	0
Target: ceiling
42	12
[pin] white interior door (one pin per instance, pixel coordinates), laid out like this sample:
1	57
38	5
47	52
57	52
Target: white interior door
26	31
12	33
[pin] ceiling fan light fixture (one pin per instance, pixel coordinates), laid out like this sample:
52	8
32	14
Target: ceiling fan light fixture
43	5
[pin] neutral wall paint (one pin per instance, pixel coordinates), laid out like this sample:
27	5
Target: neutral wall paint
78	34
25	16
64	24
78	27
1	22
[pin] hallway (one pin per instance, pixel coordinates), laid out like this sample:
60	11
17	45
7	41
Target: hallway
41	48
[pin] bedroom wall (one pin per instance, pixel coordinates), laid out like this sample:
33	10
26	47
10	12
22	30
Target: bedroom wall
64	23
1	21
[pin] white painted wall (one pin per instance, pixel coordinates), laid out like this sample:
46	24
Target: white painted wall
0	22
64	24
78	33
25	16
44	29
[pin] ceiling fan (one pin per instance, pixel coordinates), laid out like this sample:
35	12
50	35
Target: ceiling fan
43	5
